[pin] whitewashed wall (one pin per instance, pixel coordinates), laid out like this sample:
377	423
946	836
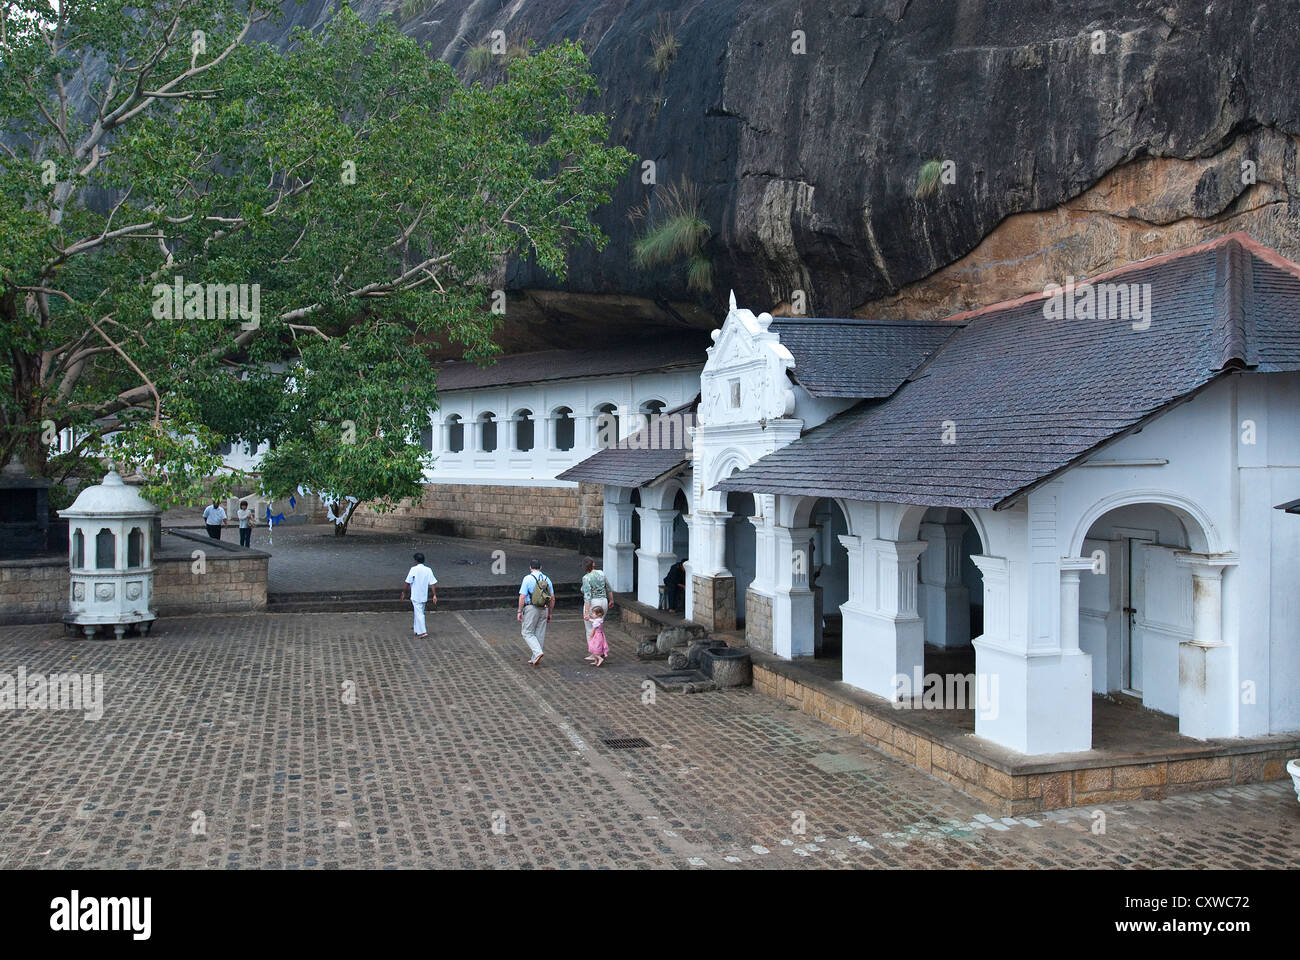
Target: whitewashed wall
628	394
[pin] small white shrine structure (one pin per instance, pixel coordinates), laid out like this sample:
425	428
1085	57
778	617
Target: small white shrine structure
110	555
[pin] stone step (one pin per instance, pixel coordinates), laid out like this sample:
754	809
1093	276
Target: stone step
383	601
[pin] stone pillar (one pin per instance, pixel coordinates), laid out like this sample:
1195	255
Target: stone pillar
792	599
887	640
656	553
713	588
1035	700
1207	683
619	548
945	599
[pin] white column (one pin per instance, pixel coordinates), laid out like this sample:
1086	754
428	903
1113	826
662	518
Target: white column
792	600
619	548
1207	683
945	599
887	639
656	553
1031	700
1071	568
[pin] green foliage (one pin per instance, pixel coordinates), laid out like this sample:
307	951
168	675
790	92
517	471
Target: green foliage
675	231
350	425
927	179
368	194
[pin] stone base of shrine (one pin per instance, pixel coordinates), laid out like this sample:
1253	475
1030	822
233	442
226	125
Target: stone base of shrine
1137	753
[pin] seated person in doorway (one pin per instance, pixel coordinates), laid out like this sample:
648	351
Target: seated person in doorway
675	586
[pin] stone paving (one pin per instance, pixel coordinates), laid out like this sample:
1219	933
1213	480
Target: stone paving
337	740
309	558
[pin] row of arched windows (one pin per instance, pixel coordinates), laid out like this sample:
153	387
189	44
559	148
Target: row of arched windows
523	432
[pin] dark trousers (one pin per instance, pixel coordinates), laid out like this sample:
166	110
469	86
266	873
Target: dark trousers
214	530
245	536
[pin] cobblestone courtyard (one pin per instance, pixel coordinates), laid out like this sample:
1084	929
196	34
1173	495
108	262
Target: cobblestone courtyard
337	741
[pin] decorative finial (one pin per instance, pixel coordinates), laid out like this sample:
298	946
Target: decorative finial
733	301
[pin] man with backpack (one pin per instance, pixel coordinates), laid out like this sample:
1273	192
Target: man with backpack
536	601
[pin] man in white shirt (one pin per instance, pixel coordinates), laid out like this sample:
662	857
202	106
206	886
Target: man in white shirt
214	518
420	579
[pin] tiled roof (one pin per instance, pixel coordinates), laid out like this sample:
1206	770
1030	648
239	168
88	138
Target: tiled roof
642	456
1027	396
683	349
857	358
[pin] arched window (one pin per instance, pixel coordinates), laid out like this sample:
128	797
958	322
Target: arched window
606	426
135	548
563	428
105	550
426	437
78	548
524	430
648	415
488	432
455	434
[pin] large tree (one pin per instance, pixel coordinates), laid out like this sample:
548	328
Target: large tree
155	166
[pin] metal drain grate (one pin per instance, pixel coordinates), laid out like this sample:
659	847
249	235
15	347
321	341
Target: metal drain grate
626	743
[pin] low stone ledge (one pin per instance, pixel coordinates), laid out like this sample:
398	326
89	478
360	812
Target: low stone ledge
1011	783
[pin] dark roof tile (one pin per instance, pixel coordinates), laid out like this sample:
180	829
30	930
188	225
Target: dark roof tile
1028	395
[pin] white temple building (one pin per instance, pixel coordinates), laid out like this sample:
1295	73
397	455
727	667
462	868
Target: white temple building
1080	506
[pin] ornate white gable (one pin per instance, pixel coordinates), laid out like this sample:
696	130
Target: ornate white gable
744	380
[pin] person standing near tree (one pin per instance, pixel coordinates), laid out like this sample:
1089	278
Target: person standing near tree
214	518
536	602
420	580
245	517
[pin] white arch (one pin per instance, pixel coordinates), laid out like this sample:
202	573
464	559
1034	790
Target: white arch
910	517
804	507
1202	534
726	462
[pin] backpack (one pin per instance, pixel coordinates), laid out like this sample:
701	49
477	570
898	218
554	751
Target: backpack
541	590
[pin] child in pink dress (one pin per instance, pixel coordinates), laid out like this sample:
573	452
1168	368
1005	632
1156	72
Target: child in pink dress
597	645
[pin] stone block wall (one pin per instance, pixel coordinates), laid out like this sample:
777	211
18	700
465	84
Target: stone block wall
234	580
714	605
551	516
758	620
31	590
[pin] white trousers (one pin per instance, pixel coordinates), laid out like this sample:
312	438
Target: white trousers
534	629
419	615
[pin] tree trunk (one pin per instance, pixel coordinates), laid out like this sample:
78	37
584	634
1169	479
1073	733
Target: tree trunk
22	433
341	529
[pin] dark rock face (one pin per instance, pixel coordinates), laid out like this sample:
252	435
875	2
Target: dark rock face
810	162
